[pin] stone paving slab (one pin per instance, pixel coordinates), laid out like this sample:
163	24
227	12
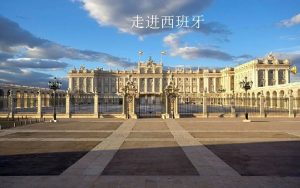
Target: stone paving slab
40	158
58	135
149	139
51	139
69	125
86	172
242	135
206	162
150	158
150	135
245	140
94	162
150	126
149	181
269	124
260	158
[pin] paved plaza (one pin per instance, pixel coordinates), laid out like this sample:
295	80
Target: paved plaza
187	152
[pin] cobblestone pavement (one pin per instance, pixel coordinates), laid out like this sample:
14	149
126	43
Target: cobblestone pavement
186	152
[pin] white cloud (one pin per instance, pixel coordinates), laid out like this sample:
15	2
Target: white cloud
295	20
22	53
35	63
192	52
119	14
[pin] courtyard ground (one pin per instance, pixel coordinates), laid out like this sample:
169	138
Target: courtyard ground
187	152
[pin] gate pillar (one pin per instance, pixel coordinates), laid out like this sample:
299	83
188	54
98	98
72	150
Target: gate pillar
68	114
171	93
96	104
129	94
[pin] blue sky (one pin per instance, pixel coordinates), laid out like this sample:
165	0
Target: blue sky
61	34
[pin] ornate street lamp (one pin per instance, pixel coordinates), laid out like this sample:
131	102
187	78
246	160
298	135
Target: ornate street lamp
54	85
171	92
246	85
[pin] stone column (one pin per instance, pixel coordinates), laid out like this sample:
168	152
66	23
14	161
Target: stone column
68	105
71	83
85	84
215	84
266	77
132	109
262	105
39	105
287	76
133	105
96	107
92	84
205	83
25	99
78	83
167	107
176	114
291	106
138	85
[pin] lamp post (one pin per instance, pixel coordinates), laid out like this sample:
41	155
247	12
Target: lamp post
246	85
54	85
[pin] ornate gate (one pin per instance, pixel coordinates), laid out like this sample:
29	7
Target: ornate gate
149	106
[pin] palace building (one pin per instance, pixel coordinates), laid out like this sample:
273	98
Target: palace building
269	75
149	90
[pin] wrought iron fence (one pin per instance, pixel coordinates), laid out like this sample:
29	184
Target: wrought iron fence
189	106
110	105
25	104
278	106
48	104
82	104
297	106
219	106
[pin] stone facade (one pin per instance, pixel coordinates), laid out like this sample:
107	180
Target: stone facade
268	75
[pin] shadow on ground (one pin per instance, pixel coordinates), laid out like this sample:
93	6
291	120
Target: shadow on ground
150	158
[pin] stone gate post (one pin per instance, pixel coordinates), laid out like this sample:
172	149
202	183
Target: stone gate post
68	114
96	104
39	104
205	114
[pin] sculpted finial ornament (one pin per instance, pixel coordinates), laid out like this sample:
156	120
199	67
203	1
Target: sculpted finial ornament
271	56
82	67
150	61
